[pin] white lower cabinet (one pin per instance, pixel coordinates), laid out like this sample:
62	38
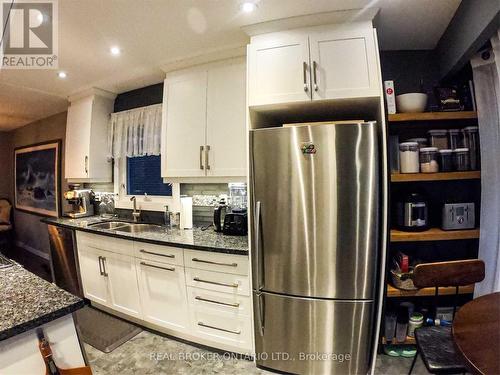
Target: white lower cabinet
163	294
208	301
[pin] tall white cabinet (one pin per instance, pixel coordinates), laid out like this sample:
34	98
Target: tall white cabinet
86	148
204	122
311	64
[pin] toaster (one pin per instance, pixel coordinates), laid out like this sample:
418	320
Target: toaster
458	216
236	223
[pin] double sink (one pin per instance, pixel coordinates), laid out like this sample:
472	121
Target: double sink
121	226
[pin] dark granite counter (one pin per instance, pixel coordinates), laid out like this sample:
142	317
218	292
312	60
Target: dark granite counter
196	239
27	301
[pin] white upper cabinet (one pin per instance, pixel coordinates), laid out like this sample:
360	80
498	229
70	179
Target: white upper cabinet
86	150
318	63
204	122
279	70
226	126
344	63
184	125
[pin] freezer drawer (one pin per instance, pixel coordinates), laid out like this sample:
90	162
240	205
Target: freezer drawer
316	210
312	336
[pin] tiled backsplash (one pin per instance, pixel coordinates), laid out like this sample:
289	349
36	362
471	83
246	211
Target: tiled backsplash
205	197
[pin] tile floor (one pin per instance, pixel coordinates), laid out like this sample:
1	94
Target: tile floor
150	353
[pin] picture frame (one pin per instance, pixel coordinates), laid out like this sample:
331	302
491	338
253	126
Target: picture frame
37	178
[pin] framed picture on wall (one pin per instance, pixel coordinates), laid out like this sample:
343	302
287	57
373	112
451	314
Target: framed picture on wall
37	178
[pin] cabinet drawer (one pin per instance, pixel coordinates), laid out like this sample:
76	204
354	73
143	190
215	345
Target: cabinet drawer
233	304
159	253
227	263
99	242
220	282
222	328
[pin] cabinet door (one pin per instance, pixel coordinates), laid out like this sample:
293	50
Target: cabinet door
122	284
78	139
344	63
279	71
92	274
163	294
184	125
226	120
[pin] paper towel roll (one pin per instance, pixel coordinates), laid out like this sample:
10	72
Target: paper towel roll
186	212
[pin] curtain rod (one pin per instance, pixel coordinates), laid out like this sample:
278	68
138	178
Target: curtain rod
137	109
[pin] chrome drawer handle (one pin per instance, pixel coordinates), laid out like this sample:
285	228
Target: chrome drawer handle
160	255
236	305
154	266
217	263
234	285
201	324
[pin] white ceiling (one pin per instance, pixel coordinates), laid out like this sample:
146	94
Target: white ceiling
154	33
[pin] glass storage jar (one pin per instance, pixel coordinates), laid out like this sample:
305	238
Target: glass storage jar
445	160
439	138
408	157
461	159
455	138
471	141
428	160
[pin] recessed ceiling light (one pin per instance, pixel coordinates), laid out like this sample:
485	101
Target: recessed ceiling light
62	75
115	51
248	7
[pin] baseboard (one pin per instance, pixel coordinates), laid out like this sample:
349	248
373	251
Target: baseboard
32	250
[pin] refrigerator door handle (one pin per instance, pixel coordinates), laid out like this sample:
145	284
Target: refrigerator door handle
259	272
261	312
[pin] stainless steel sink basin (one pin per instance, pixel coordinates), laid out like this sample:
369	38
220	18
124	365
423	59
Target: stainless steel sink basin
113	225
141	228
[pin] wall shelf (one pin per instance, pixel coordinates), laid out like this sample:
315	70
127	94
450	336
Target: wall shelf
394	292
441	176
433	116
433	234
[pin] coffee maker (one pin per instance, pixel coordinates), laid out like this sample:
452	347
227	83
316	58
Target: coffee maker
81	203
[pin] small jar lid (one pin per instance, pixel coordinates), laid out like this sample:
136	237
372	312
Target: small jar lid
416	317
454	131
429	149
445	151
438	132
471	129
461	150
408	144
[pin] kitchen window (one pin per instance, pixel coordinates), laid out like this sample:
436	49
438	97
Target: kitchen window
144	177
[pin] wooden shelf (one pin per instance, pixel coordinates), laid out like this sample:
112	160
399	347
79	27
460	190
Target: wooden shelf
432	116
434	234
442	176
394	292
409	341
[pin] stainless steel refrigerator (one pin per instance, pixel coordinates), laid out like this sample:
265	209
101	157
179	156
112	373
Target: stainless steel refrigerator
315	246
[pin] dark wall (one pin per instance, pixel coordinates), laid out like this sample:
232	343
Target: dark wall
139	98
408	68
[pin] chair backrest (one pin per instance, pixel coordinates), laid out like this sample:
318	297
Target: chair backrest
442	274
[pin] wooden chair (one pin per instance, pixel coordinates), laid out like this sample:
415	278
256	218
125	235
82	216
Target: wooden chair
435	344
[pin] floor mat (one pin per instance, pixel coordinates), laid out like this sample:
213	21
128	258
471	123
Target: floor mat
103	331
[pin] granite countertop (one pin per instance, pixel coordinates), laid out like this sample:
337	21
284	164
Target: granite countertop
28	301
197	239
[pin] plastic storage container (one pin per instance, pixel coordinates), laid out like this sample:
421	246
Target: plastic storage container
461	159
429	160
445	160
401	324
471	141
455	138
408	157
422	142
439	138
390	326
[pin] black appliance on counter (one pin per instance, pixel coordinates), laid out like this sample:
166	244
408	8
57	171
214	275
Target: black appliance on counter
412	213
219	215
236	223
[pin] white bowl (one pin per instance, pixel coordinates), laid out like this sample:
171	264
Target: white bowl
413	102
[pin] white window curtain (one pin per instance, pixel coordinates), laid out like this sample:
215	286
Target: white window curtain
486	72
136	132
